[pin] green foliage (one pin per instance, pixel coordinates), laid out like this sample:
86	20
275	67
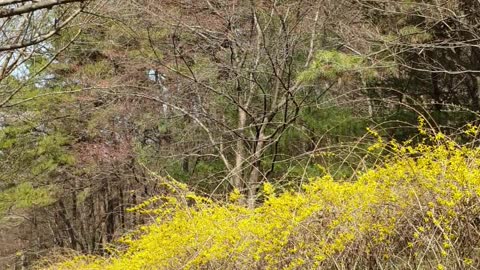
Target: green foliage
335	120
414	34
332	64
32	149
39	153
97	70
25	157
50	153
24	196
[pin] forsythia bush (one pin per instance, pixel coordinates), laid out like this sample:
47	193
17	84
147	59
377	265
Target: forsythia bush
421	210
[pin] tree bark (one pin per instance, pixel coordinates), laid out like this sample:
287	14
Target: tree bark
238	181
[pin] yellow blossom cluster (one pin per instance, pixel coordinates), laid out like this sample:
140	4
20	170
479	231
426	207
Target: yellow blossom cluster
420	210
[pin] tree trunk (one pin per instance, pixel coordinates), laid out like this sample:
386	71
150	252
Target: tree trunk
254	178
238	181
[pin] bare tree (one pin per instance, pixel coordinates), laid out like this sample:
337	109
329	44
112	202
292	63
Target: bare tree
25	26
245	54
434	44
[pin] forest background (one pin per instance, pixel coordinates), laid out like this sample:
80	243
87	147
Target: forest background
101	101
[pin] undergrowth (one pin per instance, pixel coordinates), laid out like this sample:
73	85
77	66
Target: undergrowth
420	210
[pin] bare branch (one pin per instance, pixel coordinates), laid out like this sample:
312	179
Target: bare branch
8	12
40	38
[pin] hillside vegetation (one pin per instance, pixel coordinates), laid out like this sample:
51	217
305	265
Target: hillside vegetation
239	134
419	210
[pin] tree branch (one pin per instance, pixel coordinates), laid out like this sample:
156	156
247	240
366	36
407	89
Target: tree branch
40	38
8	12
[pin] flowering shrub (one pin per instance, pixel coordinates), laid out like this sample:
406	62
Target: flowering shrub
420	210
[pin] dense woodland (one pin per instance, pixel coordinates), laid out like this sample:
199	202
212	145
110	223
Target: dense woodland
239	134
